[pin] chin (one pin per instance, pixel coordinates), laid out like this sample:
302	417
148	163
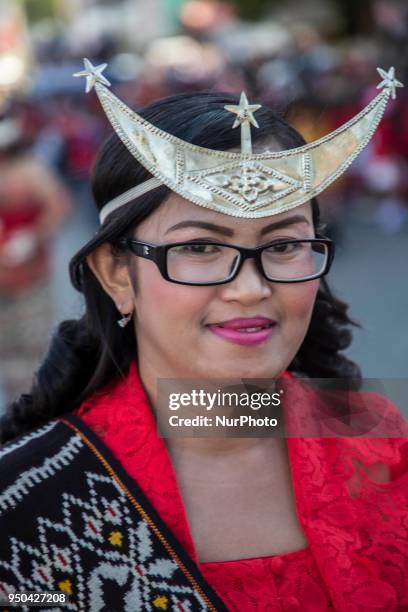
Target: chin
235	370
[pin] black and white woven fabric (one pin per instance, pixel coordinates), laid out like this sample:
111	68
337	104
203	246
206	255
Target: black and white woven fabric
72	520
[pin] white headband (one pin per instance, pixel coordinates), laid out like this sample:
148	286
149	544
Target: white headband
128	196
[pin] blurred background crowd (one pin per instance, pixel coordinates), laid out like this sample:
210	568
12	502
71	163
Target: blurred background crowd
315	62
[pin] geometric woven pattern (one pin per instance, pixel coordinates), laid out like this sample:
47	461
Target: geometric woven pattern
73	521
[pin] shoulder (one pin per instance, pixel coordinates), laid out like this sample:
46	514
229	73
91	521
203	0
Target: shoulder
336	401
359	423
33	457
26	443
29	443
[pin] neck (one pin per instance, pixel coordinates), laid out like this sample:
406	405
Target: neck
224	445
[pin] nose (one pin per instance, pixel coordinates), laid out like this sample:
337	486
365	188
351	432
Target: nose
249	287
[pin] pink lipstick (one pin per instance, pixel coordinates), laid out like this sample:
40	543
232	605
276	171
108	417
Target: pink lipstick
246	331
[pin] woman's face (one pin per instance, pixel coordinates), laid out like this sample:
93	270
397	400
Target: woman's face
173	322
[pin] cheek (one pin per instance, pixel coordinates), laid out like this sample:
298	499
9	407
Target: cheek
296	306
297	302
169	304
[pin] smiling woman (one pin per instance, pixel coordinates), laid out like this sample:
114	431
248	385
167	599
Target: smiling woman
187	338
177	289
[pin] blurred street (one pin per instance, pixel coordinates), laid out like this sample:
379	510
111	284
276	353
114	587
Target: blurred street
315	63
370	274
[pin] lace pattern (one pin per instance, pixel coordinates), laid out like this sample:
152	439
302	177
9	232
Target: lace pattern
351	496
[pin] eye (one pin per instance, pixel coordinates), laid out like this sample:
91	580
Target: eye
285	248
196	249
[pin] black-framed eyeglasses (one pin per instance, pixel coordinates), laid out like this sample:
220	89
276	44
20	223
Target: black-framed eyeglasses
207	262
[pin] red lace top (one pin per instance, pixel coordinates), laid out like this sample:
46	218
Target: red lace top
356	525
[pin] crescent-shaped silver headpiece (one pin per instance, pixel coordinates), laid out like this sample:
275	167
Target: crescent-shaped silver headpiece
241	184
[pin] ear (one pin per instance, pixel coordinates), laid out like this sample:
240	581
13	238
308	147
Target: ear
112	273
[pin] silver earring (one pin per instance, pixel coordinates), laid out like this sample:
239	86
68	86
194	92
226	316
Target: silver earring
124	320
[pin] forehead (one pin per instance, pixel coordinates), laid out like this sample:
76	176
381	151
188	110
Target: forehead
176	209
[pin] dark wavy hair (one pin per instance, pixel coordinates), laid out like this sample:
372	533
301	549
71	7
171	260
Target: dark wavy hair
87	353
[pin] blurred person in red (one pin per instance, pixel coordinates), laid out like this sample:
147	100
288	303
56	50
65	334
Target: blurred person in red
33	204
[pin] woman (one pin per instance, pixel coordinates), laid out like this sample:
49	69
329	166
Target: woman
33	205
127	520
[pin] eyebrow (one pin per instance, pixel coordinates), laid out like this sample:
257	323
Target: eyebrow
226	231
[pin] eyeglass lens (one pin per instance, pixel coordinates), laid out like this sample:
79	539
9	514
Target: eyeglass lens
201	262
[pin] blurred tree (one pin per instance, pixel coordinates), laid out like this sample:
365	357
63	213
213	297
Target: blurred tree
36	10
172	13
252	9
357	15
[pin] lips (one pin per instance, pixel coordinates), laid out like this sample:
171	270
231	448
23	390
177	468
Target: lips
245	331
246	323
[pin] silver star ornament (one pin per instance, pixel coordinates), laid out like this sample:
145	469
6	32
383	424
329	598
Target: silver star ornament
240	184
93	75
245	117
244	111
389	81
